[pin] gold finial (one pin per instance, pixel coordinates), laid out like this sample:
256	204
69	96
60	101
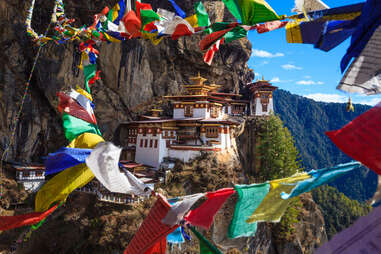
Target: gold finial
199	76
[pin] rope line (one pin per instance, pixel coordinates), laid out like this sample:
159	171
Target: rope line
17	117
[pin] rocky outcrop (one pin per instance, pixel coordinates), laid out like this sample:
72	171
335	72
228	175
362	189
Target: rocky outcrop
134	73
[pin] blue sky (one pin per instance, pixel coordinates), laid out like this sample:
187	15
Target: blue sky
299	68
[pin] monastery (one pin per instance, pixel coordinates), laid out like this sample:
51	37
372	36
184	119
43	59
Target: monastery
203	120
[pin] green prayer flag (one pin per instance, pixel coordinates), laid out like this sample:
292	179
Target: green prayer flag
89	72
236	33
147	16
234	8
251	12
249	198
73	127
206	247
256	11
202	15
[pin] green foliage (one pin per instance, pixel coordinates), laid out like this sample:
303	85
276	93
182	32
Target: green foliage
308	121
285	229
338	210
278	156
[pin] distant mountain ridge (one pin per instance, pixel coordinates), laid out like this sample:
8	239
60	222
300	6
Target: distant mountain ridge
308	121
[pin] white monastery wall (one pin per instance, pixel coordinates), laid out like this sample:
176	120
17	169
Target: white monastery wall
183	155
178	113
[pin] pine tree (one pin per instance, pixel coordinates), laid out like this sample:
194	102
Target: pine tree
278	156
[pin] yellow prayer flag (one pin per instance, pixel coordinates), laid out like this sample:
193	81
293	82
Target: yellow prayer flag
84	93
192	20
273	206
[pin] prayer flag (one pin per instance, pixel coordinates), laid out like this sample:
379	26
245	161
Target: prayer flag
303	6
65	158
180	208
273	206
249	198
251	12
159	248
270	26
16	221
73	127
89	71
203	215
362	237
104	163
152	229
206	247
60	186
369	21
82	100
176	236
320	177
363	75
201	14
132	24
361	138
179	11
209	54
71	107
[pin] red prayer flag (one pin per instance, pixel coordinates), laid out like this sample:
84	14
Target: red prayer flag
270	26
152	229
141	6
361	138
9	222
208	40
203	215
209	55
132	23
181	30
71	107
159	248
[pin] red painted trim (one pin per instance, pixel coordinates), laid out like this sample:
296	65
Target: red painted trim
186	148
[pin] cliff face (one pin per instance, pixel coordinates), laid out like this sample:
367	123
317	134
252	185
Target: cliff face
134	73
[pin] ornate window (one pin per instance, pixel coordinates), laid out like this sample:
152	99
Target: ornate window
141	143
155	143
264	107
214	112
150	143
145	143
212	132
188	111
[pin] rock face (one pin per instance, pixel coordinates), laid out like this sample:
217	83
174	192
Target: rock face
309	233
134	73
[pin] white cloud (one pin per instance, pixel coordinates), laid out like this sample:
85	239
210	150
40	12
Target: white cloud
309	82
291	67
370	102
278	80
275	80
265	54
326	97
307	77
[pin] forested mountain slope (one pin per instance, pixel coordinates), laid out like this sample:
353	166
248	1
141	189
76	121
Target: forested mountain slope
308	121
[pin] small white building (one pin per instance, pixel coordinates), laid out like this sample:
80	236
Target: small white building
32	177
200	123
261	103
